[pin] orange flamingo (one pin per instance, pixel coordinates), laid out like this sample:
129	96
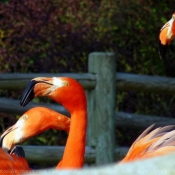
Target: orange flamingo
70	94
27	126
167	34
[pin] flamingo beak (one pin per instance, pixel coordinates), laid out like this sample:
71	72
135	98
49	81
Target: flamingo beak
17	150
28	93
12	128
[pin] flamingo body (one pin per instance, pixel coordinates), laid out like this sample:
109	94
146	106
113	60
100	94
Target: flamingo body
159	141
12	165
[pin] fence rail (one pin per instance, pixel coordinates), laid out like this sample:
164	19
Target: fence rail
100	83
122	119
124	81
13	81
54	154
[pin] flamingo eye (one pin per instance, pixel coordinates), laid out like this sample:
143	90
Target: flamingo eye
24	117
65	83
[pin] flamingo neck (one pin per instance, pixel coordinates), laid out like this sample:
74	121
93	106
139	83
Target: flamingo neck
49	120
59	122
173	28
73	156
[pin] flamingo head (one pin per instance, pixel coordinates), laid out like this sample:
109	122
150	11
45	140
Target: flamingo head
64	90
31	123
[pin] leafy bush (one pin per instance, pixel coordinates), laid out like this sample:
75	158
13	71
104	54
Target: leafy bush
57	36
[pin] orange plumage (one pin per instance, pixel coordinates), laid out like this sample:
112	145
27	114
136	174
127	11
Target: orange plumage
154	143
12	165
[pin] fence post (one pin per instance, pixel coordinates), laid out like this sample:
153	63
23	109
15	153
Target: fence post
101	106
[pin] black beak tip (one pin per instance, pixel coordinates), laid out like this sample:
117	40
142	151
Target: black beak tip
1	140
28	93
18	151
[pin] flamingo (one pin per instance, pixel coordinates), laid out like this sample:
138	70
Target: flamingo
71	95
31	123
167	34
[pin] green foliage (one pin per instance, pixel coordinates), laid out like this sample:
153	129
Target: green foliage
4	1
57	36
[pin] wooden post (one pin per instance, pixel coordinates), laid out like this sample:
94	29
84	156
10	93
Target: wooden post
101	106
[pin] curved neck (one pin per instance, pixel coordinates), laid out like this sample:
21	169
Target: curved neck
49	119
73	156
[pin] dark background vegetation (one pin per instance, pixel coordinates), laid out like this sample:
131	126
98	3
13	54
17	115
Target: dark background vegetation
57	36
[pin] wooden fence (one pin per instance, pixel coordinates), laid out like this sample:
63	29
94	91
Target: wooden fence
100	83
